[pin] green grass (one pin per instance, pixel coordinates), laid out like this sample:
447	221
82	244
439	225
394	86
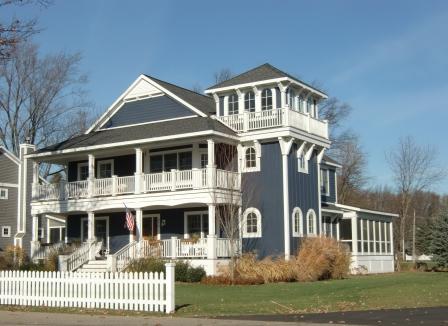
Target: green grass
397	290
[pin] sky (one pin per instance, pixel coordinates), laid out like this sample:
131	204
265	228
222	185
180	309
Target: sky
387	59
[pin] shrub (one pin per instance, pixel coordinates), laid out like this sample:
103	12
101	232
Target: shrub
322	258
150	264
195	274
185	273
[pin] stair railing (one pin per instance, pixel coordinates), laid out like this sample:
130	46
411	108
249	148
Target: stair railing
82	255
123	257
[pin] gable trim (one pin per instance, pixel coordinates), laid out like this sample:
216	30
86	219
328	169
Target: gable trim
120	100
10	155
146	123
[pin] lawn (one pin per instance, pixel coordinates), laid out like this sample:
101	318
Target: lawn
397	290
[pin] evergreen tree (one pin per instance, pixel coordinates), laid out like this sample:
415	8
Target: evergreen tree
439	240
423	237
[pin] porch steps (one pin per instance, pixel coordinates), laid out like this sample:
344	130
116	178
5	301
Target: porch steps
94	266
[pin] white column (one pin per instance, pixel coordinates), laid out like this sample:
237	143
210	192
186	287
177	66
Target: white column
283	89
240	101
91	178
138	170
285	146
211	167
319	198
216	98
257	93
90	226
354	221
211	219
35	244
391	230
139	223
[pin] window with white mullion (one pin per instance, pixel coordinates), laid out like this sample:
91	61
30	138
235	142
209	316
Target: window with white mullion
249	101
233	104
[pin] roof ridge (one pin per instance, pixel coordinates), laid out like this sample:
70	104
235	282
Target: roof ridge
181	87
244	72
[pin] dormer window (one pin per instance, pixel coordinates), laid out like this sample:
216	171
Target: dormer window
251	158
266	99
233	104
249	102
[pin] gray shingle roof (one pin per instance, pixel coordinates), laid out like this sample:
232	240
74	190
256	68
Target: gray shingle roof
330	160
263	72
145	131
202	102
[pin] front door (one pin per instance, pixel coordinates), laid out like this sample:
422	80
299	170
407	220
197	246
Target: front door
101	231
151	227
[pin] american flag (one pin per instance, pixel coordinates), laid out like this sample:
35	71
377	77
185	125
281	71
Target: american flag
130	221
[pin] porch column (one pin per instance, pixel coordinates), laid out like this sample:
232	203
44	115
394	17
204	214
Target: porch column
139	223
91	226
285	146
354	234
138	170
282	95
211	166
35	244
211	219
91	174
257	93
35	178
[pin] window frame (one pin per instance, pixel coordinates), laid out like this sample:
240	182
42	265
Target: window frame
297	229
326	186
308	214
291	98
233	104
170	152
249	98
104	162
81	165
6	193
203	232
245	234
8	228
257	148
265	98
301	157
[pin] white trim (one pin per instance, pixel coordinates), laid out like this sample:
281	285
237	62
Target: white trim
156	215
5	191
201	214
10	185
10	155
257	213
311	211
78	170
357	209
104	162
331	164
40	233
3	232
60	227
96	218
300	226
146	123
327	186
257	147
57	219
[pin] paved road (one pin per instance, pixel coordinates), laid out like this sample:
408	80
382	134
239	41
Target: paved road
421	316
9	318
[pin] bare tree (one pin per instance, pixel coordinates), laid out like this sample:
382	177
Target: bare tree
222	75
335	112
41	99
16	31
351	178
414	169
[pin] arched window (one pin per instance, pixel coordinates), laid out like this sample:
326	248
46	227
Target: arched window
249	101
233	104
266	99
311	222
297	222
291	98
251	223
251	158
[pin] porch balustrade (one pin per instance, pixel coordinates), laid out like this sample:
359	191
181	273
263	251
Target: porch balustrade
284	117
173	180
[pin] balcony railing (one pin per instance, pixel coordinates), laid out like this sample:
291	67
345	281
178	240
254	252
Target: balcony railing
145	183
285	117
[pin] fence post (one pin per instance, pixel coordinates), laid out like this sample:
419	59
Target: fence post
62	263
173	179
174	247
170	294
114	185
111	263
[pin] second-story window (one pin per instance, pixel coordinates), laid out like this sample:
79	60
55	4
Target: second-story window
204	160
300	100
266	99
233	104
170	161
83	171
291	98
325	182
3	193
249	101
105	169
251	158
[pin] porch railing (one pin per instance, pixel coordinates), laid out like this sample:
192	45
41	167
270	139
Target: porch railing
284	117
45	251
82	255
173	180
125	256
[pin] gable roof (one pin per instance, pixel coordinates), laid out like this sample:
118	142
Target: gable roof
264	72
328	160
10	155
140	133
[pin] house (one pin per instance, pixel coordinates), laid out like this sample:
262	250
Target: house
15	199
177	159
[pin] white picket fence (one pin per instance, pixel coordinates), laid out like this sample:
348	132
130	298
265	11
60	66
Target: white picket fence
120	291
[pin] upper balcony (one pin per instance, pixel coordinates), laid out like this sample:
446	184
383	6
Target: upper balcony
284	117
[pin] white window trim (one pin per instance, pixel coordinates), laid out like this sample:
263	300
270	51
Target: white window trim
256	145
60	227
311	211
305	168
294	233
3	231
78	177
177	152
157	216
186	231
5	190
257	213
327	186
99	163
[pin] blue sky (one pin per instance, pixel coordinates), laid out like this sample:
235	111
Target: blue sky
388	59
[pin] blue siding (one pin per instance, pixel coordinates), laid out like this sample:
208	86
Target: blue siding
263	190
221	106
278	103
148	110
332	176
303	191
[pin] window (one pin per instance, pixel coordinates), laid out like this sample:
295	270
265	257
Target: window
105	169
374	237
57	234
291	98
325	182
252	223
204	161
266	99
171	161
311	222
233	104
156	164
251	160
3	193
195	224
297	222
6	231
83	171
300	100
185	161
249	101
302	163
